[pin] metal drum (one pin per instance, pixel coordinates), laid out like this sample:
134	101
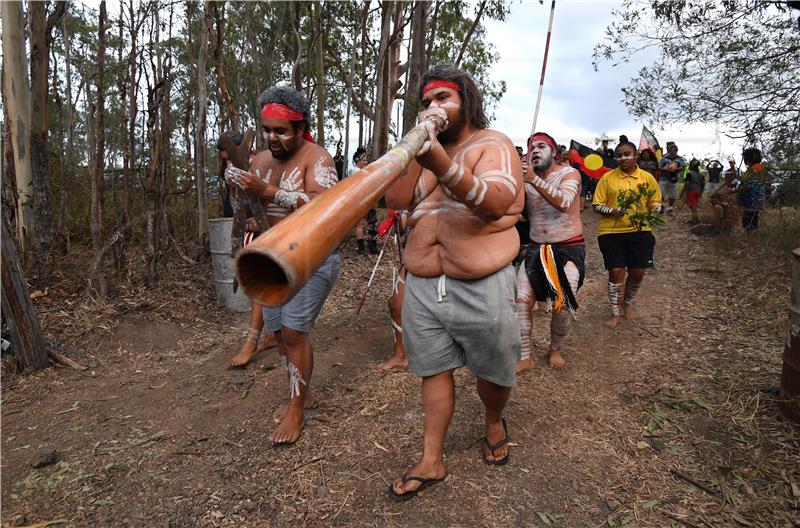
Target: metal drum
219	239
790	377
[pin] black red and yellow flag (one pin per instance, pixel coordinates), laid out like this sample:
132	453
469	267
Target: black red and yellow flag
592	162
649	142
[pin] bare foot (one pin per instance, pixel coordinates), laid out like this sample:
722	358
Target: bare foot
393	362
404	485
245	355
288	431
525	364
556	360
613	322
268	342
310	403
628	310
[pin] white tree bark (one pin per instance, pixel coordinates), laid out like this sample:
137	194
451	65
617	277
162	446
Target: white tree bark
18	91
200	131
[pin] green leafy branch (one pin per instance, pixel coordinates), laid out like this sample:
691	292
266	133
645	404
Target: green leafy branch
634	203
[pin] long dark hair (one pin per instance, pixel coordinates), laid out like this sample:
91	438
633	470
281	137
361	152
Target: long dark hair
471	99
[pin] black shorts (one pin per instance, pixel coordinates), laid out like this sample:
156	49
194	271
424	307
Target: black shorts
627	250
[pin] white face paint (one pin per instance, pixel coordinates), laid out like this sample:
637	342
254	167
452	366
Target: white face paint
445	105
540	155
284	139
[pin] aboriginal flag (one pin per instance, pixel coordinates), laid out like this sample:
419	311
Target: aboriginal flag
649	142
592	162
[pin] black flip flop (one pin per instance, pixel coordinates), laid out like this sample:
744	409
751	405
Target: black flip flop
503	461
424	483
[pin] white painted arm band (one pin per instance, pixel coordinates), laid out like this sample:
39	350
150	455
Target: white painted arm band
565	192
605	210
289	199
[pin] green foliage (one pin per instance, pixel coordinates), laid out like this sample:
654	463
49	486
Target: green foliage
633	202
451	29
735	62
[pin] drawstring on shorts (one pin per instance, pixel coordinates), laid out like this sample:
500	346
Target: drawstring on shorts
441	291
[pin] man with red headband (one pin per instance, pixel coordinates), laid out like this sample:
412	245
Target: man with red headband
289	174
464	191
554	266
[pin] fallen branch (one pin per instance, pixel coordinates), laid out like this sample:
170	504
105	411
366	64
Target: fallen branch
693	482
61	359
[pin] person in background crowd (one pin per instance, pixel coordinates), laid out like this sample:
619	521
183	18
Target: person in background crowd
367	227
731	173
605	150
693	187
670	167
752	191
647	162
714	169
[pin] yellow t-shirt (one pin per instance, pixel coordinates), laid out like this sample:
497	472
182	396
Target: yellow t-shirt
607	193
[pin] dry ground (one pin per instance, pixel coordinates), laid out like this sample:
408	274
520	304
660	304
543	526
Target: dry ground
670	420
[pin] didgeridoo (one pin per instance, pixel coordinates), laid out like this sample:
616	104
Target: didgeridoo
274	267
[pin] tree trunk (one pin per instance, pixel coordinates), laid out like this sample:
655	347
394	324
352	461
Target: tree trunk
130	150
417	65
217	11
200	137
70	131
98	282
319	50
187	116
17	89
30	348
380	136
472	28
41	27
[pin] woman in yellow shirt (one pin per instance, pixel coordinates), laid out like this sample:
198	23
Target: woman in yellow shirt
626	242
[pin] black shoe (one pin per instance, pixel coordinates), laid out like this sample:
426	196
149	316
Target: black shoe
373	247
362	250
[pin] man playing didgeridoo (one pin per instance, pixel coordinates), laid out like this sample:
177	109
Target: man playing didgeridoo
294	170
465	194
554	265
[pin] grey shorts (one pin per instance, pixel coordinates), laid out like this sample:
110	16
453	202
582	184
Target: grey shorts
302	310
450	323
668	189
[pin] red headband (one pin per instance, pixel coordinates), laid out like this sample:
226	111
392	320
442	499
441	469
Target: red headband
439	83
279	111
545	139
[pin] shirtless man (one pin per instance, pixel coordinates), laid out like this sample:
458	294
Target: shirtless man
464	193
554	265
294	170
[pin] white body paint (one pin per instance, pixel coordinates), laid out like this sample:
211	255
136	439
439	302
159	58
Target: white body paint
429	206
295	377
548	224
324	175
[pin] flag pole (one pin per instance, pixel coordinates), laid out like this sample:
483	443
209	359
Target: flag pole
544	66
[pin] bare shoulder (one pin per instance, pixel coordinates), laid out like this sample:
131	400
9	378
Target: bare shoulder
571	172
498	138
316	153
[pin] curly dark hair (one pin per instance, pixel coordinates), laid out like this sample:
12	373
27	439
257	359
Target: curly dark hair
471	99
288	97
